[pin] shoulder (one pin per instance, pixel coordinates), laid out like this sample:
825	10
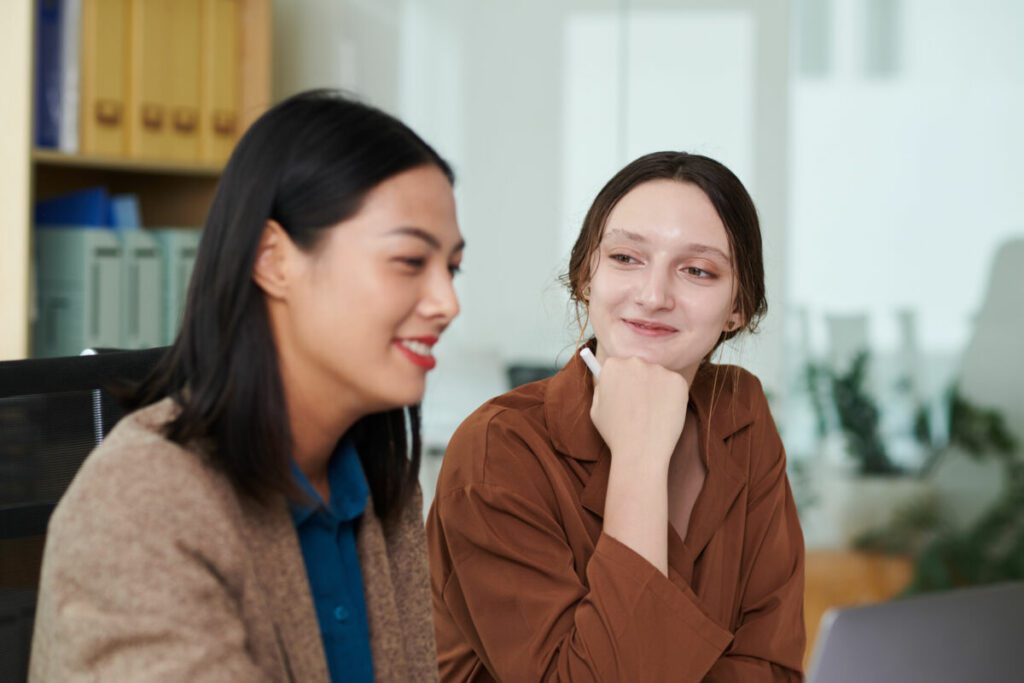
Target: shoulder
139	473
731	384
138	456
742	414
731	394
500	442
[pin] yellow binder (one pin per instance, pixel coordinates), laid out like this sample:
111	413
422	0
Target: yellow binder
220	124
184	84
151	42
104	60
165	80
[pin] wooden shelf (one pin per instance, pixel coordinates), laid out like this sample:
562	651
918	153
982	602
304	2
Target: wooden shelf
171	193
49	157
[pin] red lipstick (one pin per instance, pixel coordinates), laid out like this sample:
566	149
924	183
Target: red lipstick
417	350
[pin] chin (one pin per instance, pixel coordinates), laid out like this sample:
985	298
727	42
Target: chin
396	397
668	361
634	349
411	396
650	356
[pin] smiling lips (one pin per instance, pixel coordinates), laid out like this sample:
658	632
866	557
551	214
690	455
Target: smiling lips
417	349
648	328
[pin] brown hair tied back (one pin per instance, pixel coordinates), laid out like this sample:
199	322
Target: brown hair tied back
732	202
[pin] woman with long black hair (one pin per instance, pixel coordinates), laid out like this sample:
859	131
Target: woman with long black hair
258	516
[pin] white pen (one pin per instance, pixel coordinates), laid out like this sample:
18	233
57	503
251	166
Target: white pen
588	357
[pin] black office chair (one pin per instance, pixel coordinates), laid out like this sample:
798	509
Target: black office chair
53	412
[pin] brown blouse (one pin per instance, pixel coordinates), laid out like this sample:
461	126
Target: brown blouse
526	587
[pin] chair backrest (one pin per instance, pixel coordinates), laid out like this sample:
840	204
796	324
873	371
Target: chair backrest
53	412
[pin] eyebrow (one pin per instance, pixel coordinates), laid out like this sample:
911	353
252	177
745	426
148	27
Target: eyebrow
422	234
693	246
632	236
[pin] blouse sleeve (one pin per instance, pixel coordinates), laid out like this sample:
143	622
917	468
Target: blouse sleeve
769	642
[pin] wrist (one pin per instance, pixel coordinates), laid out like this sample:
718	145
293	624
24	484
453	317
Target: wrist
652	456
640	470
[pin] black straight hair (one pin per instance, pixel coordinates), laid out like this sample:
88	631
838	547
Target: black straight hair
307	164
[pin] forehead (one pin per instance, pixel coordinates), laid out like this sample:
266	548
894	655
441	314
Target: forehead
420	198
666	211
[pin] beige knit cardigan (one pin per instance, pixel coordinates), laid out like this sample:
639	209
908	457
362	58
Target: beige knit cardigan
155	570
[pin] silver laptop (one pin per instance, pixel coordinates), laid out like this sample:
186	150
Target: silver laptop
973	635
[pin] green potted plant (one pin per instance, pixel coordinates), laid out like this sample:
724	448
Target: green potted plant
859	487
989	550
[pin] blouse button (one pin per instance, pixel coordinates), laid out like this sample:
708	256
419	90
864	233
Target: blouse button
340	613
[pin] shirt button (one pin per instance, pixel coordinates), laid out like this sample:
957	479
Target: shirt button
340	613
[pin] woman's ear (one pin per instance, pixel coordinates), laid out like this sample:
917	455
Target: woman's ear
271	270
735	321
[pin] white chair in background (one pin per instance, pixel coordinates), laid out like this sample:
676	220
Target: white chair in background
992	376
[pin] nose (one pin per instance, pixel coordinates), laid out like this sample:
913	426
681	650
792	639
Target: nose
654	291
440	303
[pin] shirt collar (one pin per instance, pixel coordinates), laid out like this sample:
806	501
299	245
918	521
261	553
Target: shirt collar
349	489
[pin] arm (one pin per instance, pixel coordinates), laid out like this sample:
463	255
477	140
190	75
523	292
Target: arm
639	409
515	596
137	579
533	619
770	640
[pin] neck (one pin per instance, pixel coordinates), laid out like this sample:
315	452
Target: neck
689	374
318	415
314	438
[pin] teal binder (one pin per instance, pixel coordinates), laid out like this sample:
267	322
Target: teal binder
178	248
142	302
78	272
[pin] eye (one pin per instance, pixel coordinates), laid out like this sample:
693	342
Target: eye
455	269
413	263
624	259
698	272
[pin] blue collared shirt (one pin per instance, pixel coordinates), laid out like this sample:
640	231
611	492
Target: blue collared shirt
327	535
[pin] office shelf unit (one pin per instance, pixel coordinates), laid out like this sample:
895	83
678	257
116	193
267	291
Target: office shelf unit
171	191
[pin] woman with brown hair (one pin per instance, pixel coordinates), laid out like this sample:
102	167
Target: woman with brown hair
637	525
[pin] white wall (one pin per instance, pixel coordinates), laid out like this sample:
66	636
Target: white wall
904	186
906	183
348	44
